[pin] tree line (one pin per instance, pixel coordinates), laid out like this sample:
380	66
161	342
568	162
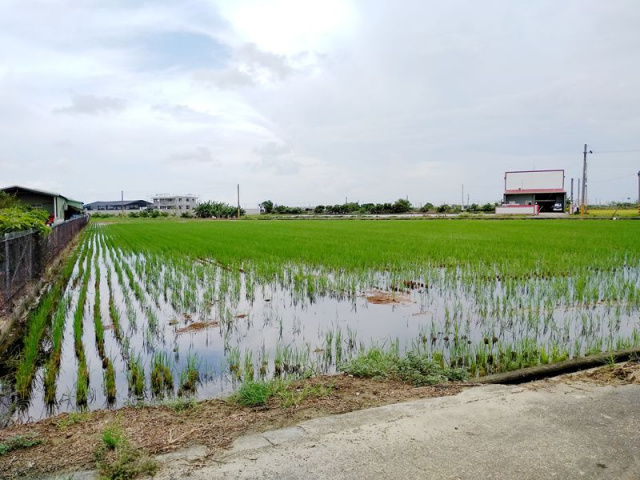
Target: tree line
399	206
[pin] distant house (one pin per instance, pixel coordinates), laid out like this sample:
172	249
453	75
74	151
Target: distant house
175	203
61	207
116	206
532	192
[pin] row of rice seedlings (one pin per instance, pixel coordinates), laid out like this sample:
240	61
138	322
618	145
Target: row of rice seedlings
131	313
109	381
82	379
53	364
97	315
37	322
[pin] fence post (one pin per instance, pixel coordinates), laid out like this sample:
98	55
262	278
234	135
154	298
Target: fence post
6	268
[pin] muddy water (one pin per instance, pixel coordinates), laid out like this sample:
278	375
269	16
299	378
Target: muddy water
200	311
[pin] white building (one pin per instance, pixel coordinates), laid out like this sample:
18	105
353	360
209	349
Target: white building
533	192
175	203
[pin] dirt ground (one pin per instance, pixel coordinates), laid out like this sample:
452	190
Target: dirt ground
69	440
619	374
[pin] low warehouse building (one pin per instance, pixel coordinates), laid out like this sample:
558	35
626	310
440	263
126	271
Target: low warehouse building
61	207
533	192
117	206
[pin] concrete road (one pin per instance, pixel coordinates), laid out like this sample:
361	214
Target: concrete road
562	431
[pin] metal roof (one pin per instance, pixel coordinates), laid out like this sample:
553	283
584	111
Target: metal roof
39	192
119	203
536	190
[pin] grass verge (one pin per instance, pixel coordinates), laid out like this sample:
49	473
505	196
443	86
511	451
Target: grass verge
415	368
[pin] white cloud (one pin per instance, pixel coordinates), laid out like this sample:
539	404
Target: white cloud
200	154
92	105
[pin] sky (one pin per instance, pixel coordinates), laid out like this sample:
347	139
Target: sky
317	102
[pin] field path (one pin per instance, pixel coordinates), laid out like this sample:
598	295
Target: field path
544	430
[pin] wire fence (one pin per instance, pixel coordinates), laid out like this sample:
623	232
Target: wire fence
24	256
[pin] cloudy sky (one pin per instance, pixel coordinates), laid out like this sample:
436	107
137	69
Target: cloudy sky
307	102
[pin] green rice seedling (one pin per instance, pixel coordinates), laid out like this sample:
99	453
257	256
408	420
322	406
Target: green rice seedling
351	339
189	376
97	316
278	360
114	314
249	372
110	381
328	347
234	363
264	361
136	376
82	384
286	359
558	354
338	346
161	376
544	358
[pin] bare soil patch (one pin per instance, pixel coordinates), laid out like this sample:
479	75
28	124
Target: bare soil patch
196	326
69	440
384	298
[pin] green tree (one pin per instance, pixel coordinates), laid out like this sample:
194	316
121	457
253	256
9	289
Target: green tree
427	207
266	206
216	210
401	206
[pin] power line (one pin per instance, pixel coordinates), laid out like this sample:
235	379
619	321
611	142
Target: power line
611	179
617	151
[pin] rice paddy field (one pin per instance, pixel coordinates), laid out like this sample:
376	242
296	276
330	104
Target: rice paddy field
147	310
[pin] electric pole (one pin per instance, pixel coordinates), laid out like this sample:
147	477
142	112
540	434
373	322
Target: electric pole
462	200
122	201
571	201
238	201
583	202
638	192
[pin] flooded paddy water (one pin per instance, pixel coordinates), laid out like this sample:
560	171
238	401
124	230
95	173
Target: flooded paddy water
129	326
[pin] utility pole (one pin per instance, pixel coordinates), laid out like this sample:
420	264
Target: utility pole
122	201
571	201
583	202
238	201
578	196
462	201
638	192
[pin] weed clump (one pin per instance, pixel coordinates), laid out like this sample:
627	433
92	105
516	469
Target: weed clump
18	442
415	368
117	458
257	394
